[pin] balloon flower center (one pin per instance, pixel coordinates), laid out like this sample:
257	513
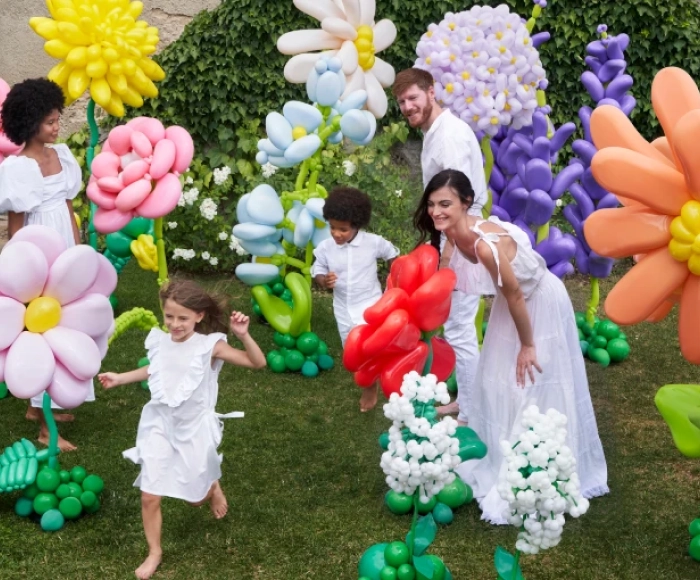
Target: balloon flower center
685	236
42	314
365	47
298	133
449	87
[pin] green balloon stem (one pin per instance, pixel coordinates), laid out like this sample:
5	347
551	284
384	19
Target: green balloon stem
160	245
414	522
312	182
53	431
94	137
516	565
488	168
479	322
429	361
593	301
301	178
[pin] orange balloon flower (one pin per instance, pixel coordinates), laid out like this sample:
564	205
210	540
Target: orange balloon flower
658	185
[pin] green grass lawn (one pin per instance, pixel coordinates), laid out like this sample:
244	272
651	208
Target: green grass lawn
302	476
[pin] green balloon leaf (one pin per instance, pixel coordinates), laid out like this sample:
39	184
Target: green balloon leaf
679	405
426	530
424	566
505	562
470	446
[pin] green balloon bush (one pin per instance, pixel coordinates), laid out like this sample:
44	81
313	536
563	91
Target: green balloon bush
603	342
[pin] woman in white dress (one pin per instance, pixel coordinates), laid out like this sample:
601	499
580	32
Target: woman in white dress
180	430
531	352
37	186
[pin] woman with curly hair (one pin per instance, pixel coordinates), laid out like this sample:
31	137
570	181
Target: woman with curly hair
347	264
37	186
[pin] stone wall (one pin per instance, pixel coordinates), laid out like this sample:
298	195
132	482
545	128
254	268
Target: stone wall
22	51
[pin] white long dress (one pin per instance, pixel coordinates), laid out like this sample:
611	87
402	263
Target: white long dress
179	430
496	404
42	200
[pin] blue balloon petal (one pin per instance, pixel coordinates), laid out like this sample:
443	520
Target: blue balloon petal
279	131
320	235
280	162
254	274
315	207
268	147
304	229
373	128
329	89
302	148
355	125
264	207
253	232
355	100
275	237
311	83
288	235
261	157
334	64
335	138
300	114
242	214
265	249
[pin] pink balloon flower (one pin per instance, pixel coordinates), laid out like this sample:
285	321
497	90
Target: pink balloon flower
7	147
137	172
56	317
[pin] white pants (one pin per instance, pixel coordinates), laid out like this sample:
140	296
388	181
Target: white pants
460	333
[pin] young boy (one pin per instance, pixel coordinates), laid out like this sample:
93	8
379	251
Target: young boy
347	264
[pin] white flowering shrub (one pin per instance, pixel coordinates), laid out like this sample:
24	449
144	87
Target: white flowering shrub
422	452
540	483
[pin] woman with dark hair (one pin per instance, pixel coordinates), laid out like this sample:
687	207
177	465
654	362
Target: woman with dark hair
531	328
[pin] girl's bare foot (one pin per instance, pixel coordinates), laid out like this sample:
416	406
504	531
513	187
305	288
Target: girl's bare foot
217	501
34	414
149	566
63	444
368	399
449	409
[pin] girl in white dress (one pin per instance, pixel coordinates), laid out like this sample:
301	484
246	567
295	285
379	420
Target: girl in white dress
37	186
180	430
531	328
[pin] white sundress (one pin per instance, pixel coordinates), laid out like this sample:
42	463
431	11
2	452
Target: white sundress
496	402
42	200
179	430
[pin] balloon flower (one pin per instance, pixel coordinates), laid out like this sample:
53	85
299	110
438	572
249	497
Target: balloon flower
56	315
7	147
661	228
395	339
349	33
102	46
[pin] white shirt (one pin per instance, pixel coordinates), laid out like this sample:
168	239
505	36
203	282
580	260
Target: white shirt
451	144
355	264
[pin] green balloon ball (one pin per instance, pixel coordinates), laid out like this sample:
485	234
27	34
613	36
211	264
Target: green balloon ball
75	489
294	360
372	561
586	328
622	335
276	363
143	362
64	475
119	244
599	341
268	288
398	503
278	338
580	319
309	369
113	301
136	227
426	508
144	385
396	554
584	347
278	289
63	491
70	507
271	355
286	295
455	494
608	329
93	508
325	362
31	491
439	570
283	351
443	514
581	336
451	383
307	343
618	349
288	341
694	528
44	502
48	479
694	548
599	355
384	440
257	310
387	573
24	507
322	348
52	520
93	483
88	498
78	474
3	390
406	572
312	357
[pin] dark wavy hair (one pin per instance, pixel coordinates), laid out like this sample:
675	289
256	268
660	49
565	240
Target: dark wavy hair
459	183
27	104
347	204
191	295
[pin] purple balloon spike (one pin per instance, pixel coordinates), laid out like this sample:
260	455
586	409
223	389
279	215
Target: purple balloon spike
607	84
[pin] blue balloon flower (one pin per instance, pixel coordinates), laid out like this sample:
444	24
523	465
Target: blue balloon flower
291	138
326	81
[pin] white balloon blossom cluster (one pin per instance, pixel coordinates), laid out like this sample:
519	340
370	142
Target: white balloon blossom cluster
541	483
422	452
485	67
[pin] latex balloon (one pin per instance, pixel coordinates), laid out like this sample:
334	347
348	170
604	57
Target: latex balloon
678	405
42	314
72	274
443	514
398	503
48	240
75	350
23	271
29	365
12	314
66	390
455	494
372	561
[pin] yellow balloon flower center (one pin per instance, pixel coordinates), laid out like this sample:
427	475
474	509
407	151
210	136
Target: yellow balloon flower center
365	47
42	314
685	236
449	87
298	133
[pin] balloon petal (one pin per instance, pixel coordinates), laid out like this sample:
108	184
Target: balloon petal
91	315
384	34
626	231
110	221
299	67
302	148
299	41
23	271
12	316
279	131
184	147
377	103
300	114
264	207
106	280
163	199
66	390
48	240
72	274
384	72
254	274
673	94
75	350
253	231
29	365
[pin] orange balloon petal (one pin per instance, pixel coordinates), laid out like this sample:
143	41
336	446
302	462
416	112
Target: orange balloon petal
673	94
610	127
645	287
631	174
685	145
661	144
689	320
661	312
625	231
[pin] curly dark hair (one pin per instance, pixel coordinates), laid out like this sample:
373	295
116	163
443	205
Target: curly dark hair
347	204
27	104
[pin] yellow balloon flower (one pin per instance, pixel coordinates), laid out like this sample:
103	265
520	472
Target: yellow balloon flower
145	252
102	46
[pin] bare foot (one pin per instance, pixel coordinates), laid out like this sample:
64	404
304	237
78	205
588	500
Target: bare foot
450	409
217	502
368	400
34	414
149	567
63	444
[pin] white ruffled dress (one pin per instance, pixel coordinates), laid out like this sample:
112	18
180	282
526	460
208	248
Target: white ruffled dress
496	402
179	430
